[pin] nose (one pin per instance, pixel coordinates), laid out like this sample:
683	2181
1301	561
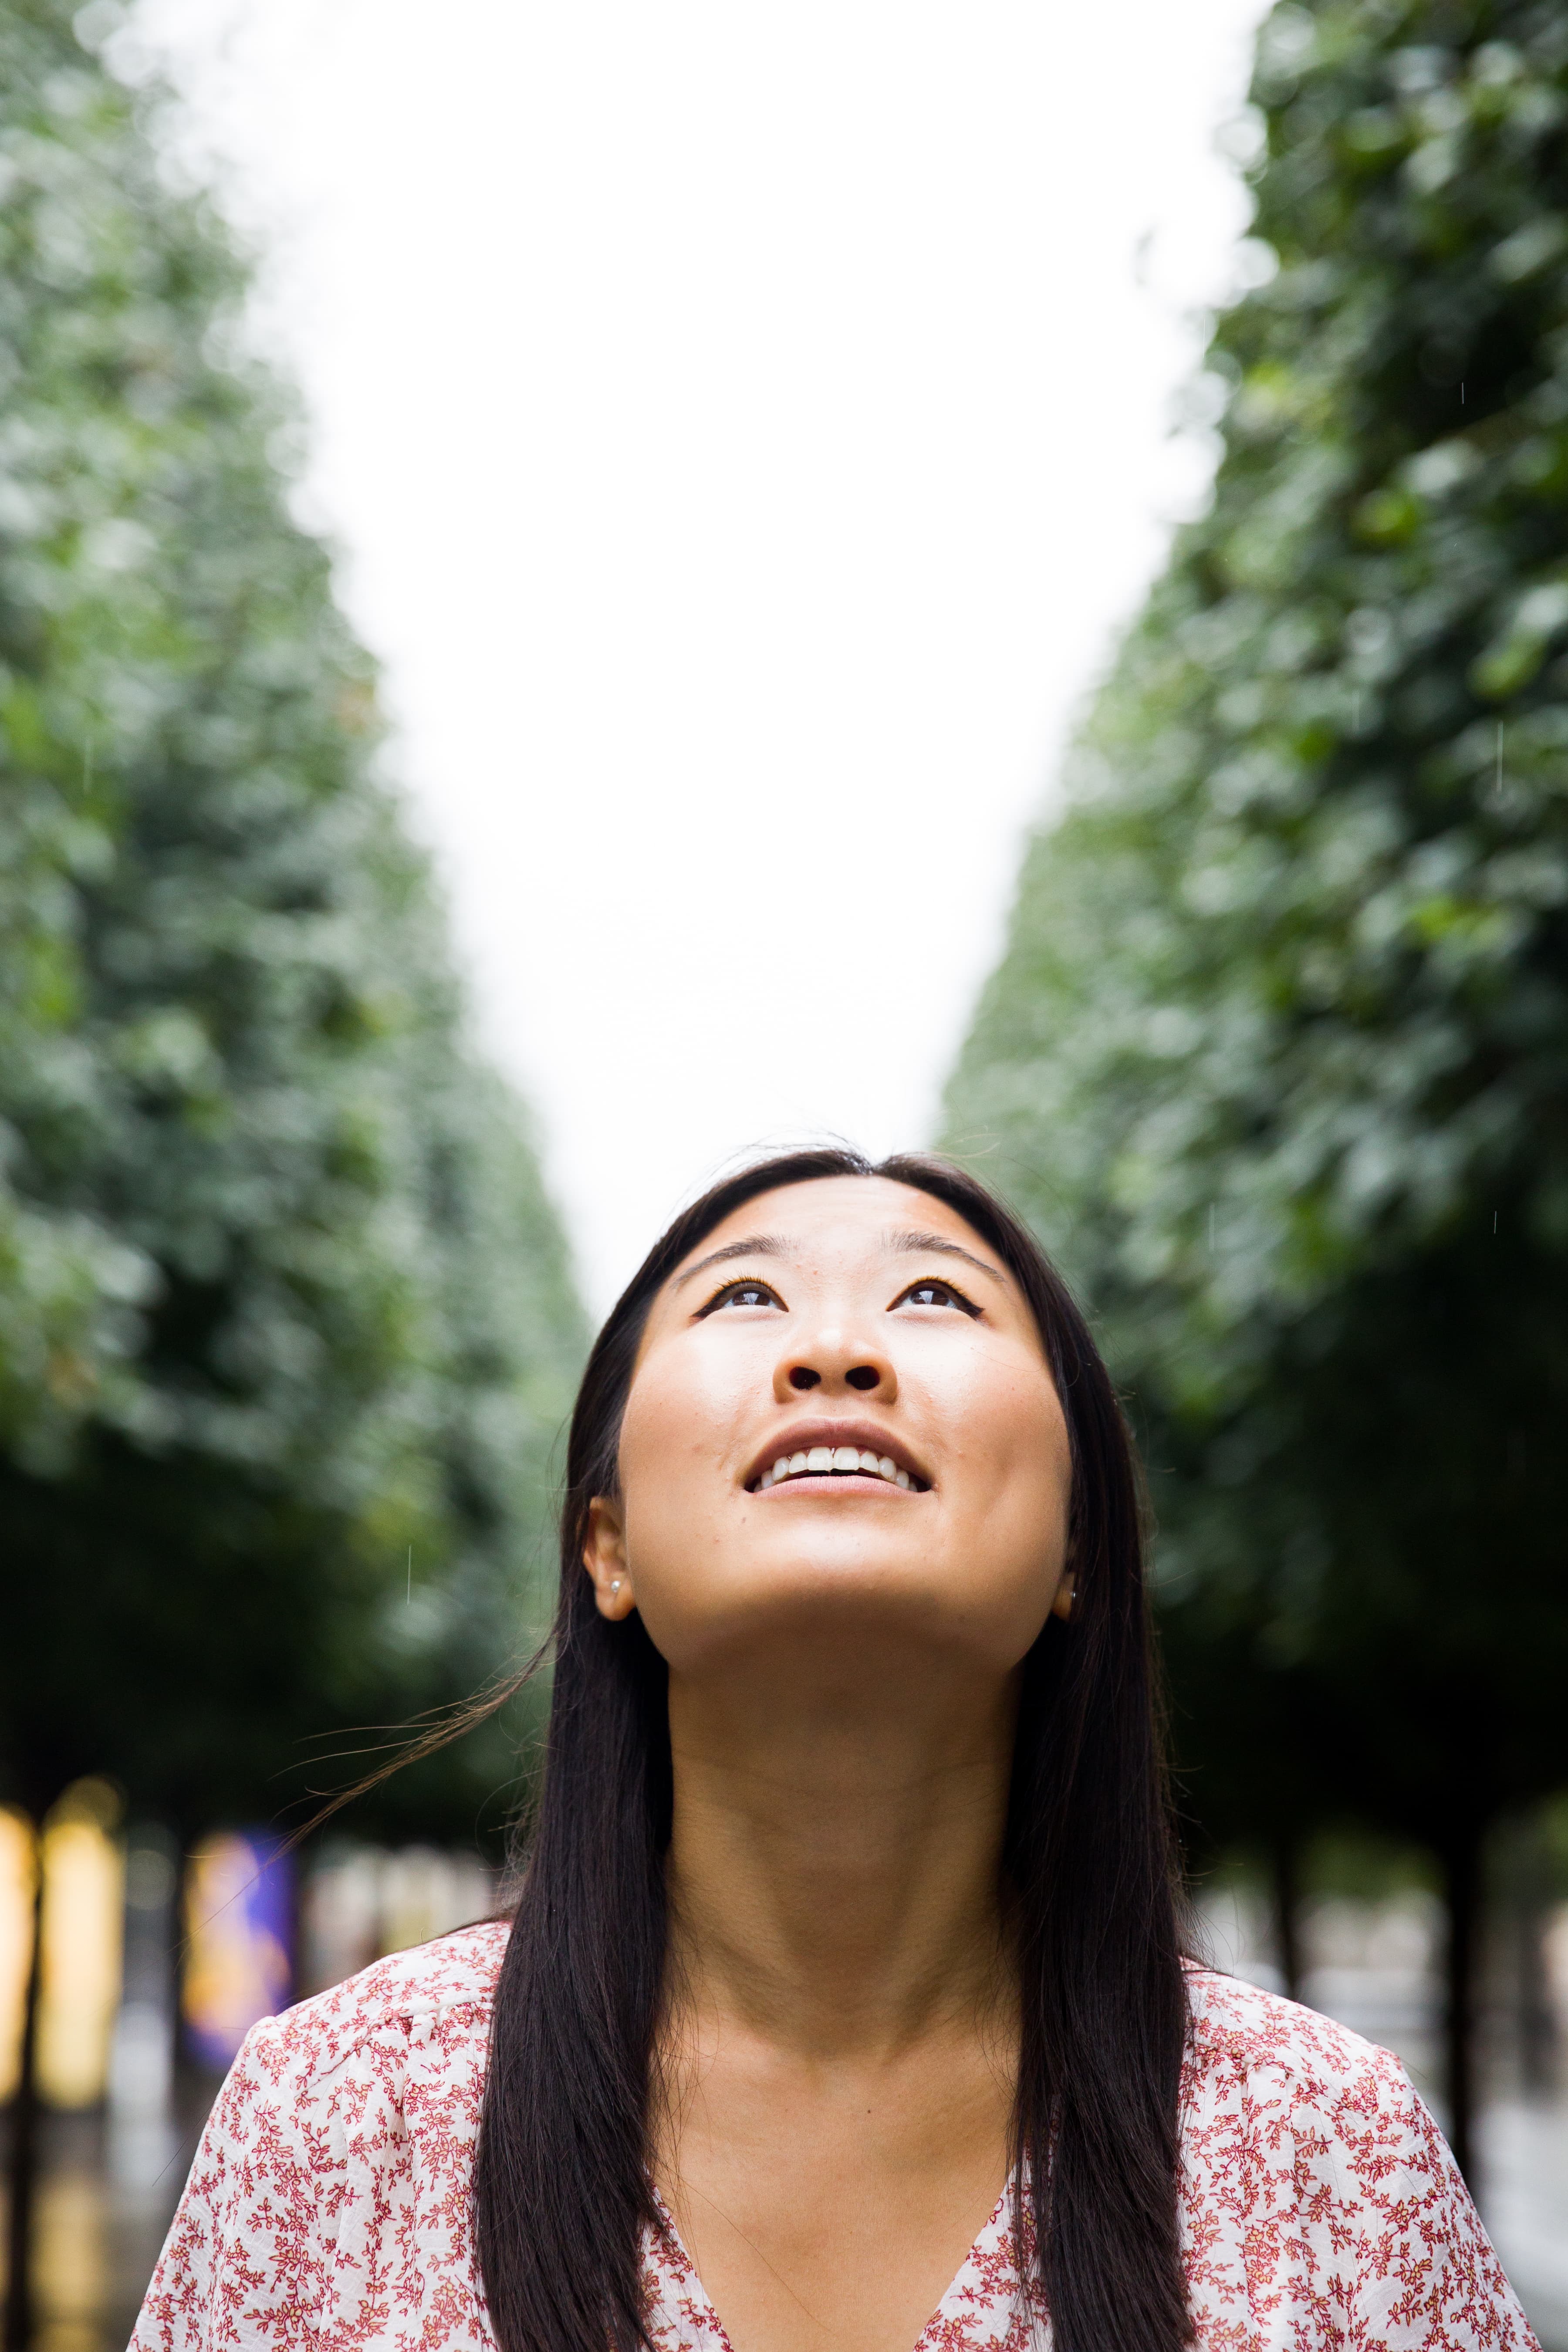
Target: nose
833	1362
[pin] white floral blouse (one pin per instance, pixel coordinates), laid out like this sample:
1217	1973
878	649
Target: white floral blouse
330	2202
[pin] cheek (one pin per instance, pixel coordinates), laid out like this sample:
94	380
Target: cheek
674	1450
1024	1469
673	1493
1023	1534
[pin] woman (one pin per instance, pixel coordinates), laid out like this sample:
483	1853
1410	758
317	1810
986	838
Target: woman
844	1995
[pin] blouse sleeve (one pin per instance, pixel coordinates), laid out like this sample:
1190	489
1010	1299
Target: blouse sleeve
236	2267
1423	2272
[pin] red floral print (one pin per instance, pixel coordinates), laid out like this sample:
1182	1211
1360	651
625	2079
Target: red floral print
330	2205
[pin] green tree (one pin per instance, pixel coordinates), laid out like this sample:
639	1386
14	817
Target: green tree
1277	1055
287	1326
278	1287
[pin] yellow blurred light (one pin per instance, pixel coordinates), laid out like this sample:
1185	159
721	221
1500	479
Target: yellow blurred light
71	2275
19	1870
83	1917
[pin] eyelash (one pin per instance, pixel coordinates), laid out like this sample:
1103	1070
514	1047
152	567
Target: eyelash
729	1290
721	1296
929	1282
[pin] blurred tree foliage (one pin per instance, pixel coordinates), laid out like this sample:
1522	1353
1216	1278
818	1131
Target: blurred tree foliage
281	1299
1276	1056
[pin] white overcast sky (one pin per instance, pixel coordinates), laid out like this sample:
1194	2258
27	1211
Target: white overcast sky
743	429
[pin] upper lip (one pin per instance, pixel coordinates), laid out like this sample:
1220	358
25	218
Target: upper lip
802	1436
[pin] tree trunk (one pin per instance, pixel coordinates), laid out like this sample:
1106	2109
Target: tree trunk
24	2153
1288	1913
1462	1865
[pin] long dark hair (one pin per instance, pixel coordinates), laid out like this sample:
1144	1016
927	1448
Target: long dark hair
561	2180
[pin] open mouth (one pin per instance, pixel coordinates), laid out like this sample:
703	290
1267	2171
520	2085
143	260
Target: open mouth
837	1462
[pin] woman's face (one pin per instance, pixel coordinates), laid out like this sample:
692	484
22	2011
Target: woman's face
849	1319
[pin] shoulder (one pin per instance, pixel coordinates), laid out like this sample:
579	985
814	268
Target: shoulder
1293	2091
349	2052
337	2156
1239	2034
1314	2181
440	1994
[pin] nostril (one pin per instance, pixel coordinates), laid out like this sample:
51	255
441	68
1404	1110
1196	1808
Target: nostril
803	1378
863	1376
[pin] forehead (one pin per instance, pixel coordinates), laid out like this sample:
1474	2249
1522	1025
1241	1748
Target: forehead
837	1217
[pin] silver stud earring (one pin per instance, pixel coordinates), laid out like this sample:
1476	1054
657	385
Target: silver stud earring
614	1585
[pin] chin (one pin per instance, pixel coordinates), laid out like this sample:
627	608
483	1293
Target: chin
833	1611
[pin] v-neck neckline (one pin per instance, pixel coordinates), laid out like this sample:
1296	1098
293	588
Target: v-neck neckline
987	2304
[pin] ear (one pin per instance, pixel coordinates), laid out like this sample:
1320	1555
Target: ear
1062	1605
604	1557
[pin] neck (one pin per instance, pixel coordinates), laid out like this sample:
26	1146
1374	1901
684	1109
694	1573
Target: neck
836	1857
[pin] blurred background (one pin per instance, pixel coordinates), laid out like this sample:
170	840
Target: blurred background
584	591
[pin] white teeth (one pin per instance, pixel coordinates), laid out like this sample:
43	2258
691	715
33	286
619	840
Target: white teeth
844	1459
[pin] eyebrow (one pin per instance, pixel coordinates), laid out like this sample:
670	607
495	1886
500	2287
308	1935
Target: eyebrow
754	1246
918	1245
907	1244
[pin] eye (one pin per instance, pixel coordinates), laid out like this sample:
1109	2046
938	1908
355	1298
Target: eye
935	1294
741	1294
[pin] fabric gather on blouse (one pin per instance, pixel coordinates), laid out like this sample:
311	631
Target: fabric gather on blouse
330	2201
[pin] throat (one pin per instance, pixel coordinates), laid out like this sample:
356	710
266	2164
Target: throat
837	1890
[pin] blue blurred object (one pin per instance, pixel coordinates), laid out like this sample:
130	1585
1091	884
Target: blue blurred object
239	1911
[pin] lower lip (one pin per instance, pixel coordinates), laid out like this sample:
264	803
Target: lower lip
847	1482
